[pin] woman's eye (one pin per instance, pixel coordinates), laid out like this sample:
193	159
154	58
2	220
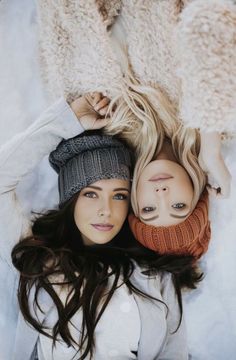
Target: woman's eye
90	194
179	206
120	197
148	209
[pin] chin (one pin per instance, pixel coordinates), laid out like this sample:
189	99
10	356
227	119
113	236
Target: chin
165	165
159	166
164	162
102	241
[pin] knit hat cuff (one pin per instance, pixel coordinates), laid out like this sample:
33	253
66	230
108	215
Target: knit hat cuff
76	184
85	159
191	237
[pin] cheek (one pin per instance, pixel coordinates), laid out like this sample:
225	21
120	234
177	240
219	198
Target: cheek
120	213
187	183
185	189
82	213
144	194
78	218
140	191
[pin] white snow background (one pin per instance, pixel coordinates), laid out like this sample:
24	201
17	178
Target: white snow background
210	310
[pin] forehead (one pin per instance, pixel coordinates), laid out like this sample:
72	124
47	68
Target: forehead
107	184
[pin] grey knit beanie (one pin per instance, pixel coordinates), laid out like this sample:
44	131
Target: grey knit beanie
87	158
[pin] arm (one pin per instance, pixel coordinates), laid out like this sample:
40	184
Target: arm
206	49
18	157
22	153
176	341
211	161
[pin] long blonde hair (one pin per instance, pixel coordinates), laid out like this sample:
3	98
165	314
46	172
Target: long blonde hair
144	117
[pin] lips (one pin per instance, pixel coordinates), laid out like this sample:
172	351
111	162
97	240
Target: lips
103	227
160	177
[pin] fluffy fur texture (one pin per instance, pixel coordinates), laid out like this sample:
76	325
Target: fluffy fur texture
149	29
206	39
76	54
109	10
186	47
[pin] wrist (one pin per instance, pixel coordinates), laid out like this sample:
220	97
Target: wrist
75	109
210	136
211	143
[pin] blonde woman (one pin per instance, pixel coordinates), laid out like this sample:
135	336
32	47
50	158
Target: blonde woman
169	200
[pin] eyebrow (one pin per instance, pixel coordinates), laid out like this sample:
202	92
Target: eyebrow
151	218
100	189
93	187
179	216
172	215
121	189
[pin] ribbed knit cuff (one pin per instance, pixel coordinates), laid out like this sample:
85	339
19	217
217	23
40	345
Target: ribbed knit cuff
67	119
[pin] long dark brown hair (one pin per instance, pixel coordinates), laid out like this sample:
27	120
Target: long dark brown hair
90	273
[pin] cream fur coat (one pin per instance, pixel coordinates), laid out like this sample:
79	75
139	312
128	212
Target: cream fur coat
188	47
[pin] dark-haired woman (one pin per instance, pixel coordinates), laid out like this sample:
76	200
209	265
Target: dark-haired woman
81	292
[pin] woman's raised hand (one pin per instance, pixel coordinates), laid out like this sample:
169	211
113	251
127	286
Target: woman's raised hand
91	110
211	161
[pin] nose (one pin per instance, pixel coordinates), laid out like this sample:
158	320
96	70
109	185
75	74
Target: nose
105	210
162	189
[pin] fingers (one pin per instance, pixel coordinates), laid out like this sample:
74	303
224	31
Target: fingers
216	193
102	106
100	123
213	191
218	175
225	191
103	111
221	192
98	102
96	97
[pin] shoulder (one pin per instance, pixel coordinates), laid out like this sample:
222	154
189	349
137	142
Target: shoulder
143	272
160	280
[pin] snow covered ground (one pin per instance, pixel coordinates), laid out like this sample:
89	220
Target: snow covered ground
211	309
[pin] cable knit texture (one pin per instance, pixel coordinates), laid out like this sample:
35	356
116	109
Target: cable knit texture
191	54
191	237
85	159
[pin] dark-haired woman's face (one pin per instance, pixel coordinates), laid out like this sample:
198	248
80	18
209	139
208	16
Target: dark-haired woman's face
101	209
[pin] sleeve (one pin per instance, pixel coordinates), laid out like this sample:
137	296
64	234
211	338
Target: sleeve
18	157
176	341
206	46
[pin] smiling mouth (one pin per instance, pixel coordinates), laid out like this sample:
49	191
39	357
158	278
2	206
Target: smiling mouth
160	177
103	227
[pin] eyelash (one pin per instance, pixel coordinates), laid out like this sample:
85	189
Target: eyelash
148	209
93	195
90	194
120	197
178	206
